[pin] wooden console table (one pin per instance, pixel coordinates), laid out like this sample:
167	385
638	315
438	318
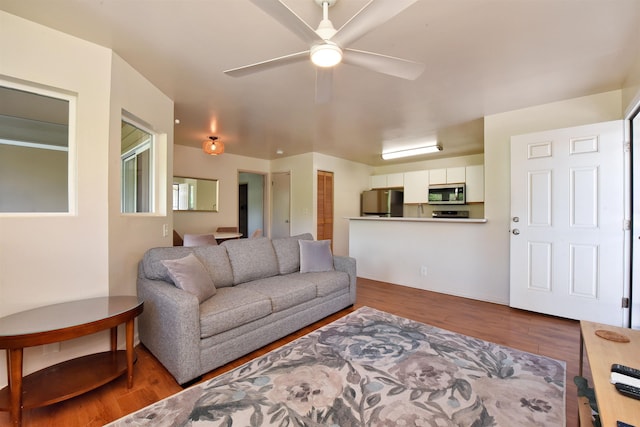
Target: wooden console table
602	353
60	322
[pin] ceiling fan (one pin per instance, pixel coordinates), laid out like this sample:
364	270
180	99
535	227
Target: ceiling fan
328	46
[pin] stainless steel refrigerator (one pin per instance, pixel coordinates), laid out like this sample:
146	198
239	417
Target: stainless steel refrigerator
382	203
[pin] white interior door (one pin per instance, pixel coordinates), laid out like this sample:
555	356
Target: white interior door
281	205
568	225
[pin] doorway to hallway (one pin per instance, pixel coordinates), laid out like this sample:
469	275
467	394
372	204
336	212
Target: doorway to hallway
251	203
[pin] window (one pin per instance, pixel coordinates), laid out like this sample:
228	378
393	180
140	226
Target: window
36	137
137	168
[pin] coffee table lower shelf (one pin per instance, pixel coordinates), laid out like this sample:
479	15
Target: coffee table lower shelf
68	379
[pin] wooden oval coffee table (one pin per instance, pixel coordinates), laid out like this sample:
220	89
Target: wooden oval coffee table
61	322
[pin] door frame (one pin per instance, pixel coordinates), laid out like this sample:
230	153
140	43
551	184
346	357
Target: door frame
633	115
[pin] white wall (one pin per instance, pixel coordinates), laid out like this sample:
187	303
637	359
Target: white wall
454	254
192	162
498	131
132	93
349	180
49	258
302	195
447	162
631	88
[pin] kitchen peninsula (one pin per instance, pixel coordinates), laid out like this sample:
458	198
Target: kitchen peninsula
437	254
412	219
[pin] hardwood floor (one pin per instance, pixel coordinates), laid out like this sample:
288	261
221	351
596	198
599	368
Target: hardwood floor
536	333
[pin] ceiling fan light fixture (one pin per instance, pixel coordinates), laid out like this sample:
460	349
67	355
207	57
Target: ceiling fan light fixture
429	149
326	54
213	146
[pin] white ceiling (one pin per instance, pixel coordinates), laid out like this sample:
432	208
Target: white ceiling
482	57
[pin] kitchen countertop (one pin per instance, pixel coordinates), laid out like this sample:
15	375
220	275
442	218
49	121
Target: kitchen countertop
413	219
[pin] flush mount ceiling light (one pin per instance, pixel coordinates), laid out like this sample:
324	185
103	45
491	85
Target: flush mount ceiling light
411	152
213	146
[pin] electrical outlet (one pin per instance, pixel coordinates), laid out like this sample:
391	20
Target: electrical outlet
165	230
423	271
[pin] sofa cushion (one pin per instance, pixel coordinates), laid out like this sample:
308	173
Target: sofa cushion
189	274
284	292
152	261
315	256
288	252
216	260
251	259
326	282
231	307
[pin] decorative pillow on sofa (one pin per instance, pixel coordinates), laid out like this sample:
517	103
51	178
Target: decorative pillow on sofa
288	252
190	275
315	255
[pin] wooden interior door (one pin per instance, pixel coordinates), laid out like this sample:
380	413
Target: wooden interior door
325	206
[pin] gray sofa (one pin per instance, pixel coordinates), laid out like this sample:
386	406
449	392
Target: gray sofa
261	296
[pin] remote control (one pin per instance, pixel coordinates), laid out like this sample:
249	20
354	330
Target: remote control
624	379
625	370
629	391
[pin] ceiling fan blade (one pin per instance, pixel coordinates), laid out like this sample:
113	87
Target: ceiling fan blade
384	64
269	64
370	16
287	17
324	83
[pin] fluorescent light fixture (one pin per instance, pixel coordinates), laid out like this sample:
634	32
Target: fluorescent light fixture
326	54
411	152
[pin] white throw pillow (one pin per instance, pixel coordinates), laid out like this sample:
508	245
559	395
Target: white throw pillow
189	274
315	255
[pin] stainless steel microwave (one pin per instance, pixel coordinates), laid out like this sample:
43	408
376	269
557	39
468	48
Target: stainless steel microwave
447	194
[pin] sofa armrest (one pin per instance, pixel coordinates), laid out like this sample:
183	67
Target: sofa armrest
170	327
348	265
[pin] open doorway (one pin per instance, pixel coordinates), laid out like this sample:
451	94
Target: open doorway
251	203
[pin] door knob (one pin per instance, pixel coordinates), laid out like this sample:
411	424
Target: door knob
515	231
516	219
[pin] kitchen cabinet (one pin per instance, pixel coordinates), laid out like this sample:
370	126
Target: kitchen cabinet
447	176
475	183
416	184
378	181
456	175
437	176
395	180
391	180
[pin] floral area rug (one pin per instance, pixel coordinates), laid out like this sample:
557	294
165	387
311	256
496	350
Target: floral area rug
371	368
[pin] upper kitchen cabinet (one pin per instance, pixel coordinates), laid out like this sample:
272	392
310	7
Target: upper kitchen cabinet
392	180
416	184
447	176
475	183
